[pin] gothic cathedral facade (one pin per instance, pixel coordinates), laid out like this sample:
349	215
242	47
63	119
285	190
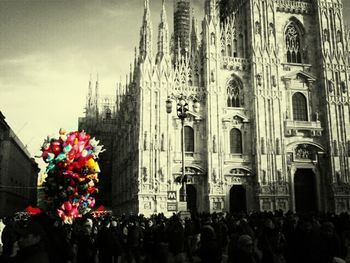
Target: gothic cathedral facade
272	130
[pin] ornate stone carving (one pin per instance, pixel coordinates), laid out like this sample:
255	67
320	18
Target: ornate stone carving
214	144
214	176
273	188
279	176
304	151
144	174
271	29
147	205
161	174
296	7
257	28
145	141
239	172
274	81
266	205
330	85
282	188
259	79
343	86
343	189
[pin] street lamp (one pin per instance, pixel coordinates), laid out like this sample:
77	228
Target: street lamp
182	109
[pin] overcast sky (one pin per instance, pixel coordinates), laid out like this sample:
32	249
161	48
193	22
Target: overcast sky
49	48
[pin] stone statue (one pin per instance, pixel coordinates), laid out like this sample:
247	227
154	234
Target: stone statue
145	141
214	144
162	143
144	174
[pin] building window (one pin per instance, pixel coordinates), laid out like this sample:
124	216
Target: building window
299	107
189	139
293	43
235	141
234	96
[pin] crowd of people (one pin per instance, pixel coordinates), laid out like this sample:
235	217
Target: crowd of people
261	237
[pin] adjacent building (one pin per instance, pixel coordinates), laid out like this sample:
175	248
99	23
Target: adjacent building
100	122
273	128
18	172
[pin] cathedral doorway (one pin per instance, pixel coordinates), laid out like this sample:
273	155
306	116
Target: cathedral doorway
191	197
305	191
238	202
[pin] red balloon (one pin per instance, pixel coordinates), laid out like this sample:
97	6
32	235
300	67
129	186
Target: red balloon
56	147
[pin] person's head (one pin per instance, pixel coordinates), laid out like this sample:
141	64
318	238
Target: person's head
269	224
150	223
114	223
30	234
87	226
106	223
327	229
245	244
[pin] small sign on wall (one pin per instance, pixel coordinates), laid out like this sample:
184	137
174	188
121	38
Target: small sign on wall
172	207
171	195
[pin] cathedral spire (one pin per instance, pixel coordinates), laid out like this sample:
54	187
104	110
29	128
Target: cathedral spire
146	34
89	99
194	39
182	26
135	58
96	96
131	73
210	9
163	35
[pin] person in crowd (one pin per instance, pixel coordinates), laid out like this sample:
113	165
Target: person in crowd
85	241
8	239
255	238
327	244
31	244
160	240
176	238
105	242
221	230
117	240
134	239
209	249
149	241
300	245
245	251
271	242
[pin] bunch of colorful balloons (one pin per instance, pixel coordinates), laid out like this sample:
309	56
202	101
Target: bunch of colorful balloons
71	173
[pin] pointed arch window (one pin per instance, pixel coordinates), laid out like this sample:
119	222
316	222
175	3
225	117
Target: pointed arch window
293	43
189	139
299	107
229	50
235	141
235	47
234	94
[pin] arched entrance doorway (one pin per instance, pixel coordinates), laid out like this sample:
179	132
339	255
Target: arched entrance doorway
191	198
238	202
305	191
